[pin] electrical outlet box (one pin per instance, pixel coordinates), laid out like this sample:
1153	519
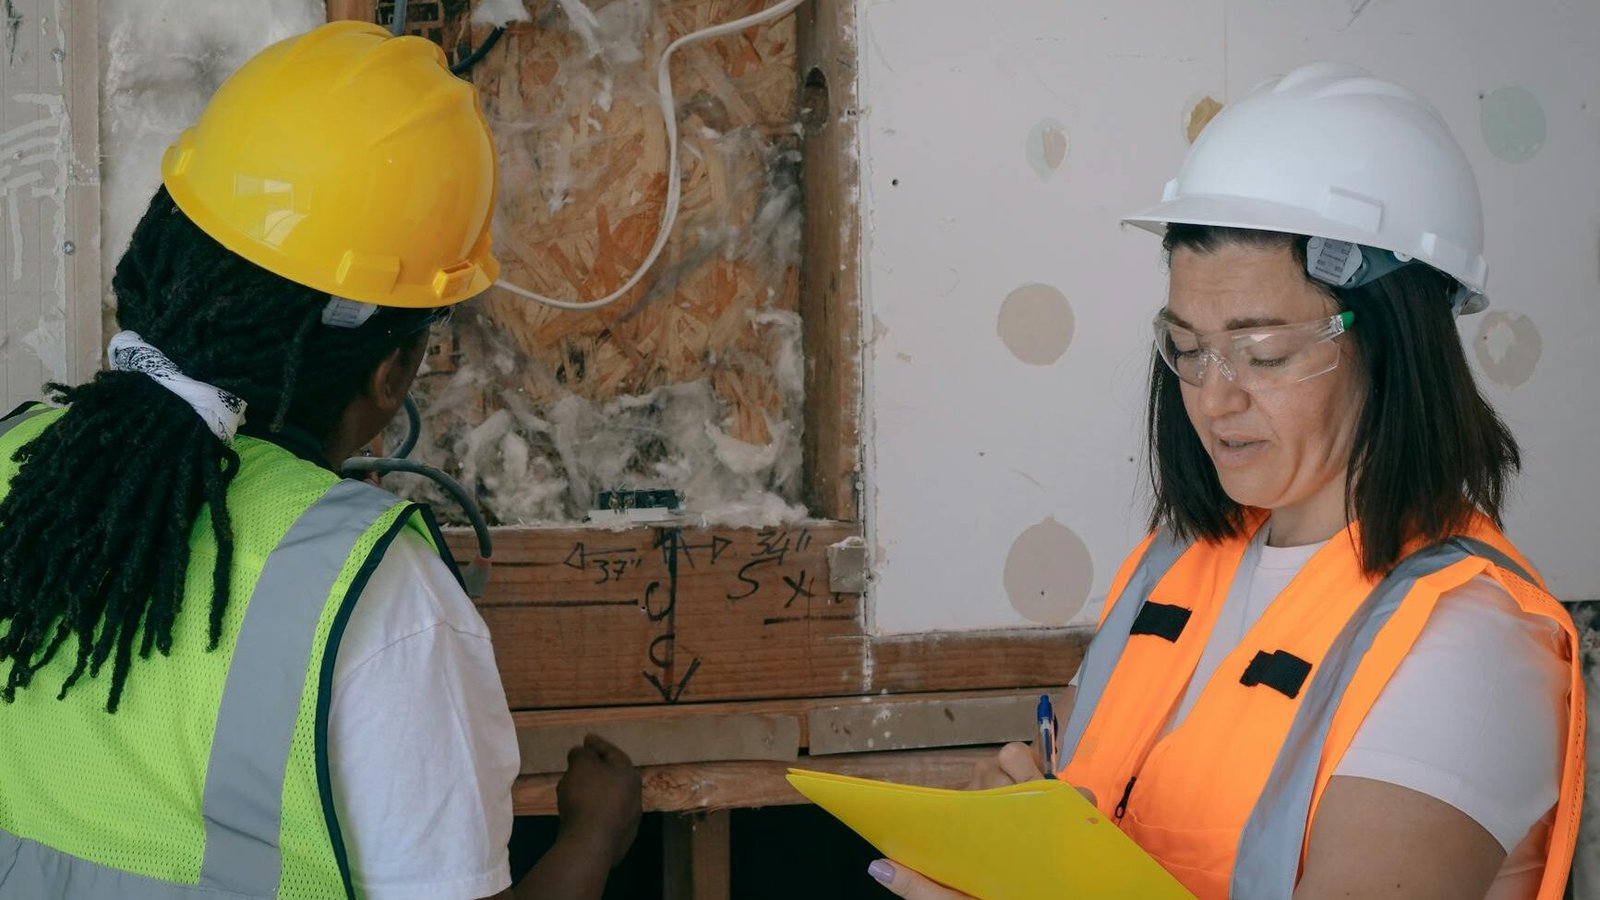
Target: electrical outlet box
636	506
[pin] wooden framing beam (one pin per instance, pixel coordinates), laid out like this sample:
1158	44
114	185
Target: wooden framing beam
589	618
747	785
696	855
662	615
664	740
830	284
879	723
779	730
361	10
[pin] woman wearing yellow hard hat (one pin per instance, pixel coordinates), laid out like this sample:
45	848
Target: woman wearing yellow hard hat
1326	672
228	672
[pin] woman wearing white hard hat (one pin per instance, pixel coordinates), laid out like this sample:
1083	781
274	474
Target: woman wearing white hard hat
1326	673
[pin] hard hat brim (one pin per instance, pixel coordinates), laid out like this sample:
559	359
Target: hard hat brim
1263	215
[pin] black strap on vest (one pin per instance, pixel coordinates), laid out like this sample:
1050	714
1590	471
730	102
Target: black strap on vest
295	440
1160	619
1280	670
26	405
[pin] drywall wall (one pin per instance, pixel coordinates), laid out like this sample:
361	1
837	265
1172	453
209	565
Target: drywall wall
161	60
1007	311
49	184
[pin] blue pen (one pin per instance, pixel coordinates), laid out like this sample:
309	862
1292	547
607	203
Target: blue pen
1047	735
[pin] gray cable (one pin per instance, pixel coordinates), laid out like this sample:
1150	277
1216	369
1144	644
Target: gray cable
398	26
361	465
413	429
473	58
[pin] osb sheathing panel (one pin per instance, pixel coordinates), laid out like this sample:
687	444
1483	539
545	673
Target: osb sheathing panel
584	179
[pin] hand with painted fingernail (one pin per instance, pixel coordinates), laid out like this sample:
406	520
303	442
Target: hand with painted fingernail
906	882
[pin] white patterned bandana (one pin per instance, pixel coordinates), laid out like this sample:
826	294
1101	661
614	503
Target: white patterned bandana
221	411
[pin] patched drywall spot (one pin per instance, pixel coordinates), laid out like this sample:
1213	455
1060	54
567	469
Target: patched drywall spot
1513	124
1036	324
1198	115
1047	147
1048	573
48	341
1508	348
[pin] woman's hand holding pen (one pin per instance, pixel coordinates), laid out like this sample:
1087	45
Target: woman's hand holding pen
1014	764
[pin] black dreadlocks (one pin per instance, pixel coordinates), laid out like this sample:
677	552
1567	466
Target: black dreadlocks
94	533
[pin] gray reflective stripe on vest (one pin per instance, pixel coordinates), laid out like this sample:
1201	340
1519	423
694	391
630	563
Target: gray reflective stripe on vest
261	700
255	726
1476	547
1106	648
21	417
31	871
1269	847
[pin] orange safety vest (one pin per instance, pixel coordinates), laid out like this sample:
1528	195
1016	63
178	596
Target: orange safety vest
1225	801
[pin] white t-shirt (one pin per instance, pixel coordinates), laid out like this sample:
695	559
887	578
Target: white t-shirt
422	748
1472	716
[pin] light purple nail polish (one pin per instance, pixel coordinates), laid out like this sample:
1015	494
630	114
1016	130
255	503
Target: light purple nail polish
882	871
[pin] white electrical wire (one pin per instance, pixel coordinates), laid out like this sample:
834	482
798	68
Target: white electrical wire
669	113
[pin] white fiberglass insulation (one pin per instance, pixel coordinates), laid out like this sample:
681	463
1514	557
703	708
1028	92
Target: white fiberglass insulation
163	59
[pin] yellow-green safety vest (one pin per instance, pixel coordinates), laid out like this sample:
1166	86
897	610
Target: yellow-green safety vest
211	780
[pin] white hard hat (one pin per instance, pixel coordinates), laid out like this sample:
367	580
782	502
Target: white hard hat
1329	151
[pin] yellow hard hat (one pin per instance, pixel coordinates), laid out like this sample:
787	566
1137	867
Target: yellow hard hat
348	161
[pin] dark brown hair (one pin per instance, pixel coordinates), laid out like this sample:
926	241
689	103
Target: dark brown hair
1428	448
94	532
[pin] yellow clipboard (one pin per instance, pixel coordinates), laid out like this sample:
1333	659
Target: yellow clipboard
1039	839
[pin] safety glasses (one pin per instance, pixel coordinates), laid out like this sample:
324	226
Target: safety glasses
1255	359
